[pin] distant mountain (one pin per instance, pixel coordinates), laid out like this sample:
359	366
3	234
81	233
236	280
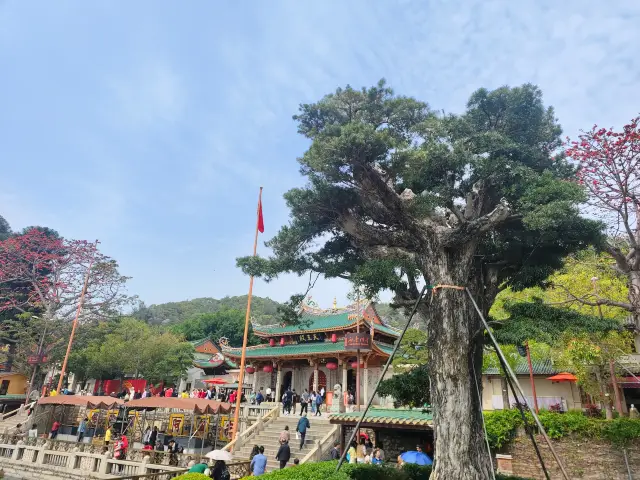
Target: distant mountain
263	310
394	317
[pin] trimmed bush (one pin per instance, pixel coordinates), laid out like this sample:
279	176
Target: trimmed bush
192	476
327	471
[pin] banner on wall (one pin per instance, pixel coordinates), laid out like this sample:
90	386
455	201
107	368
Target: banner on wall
176	423
224	430
202	425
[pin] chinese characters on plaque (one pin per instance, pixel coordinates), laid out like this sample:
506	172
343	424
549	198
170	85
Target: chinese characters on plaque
357	341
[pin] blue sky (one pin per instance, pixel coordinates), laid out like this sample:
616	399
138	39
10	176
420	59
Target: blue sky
151	124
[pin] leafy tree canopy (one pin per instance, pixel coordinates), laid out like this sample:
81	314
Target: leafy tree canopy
263	310
585	275
130	346
388	181
408	389
227	323
5	229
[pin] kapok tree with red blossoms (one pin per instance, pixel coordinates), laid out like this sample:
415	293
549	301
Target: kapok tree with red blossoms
609	169
45	273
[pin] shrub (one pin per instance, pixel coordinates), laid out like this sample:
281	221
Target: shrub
593	410
376	472
310	471
501	426
326	471
192	476
417	472
573	422
622	430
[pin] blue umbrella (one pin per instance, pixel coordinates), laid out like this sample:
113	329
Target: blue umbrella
418	458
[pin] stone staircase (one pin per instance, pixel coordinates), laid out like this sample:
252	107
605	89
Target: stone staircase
268	438
10	420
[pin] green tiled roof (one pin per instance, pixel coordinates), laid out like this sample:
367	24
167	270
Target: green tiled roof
11	398
385	329
309	321
394	416
293	349
313	322
296	349
385	347
201	360
539	367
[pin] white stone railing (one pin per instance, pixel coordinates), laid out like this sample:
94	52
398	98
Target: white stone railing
254	429
322	446
80	464
17	411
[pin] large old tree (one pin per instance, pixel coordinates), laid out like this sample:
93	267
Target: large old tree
398	196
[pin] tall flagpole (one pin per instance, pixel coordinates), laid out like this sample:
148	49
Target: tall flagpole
75	320
236	416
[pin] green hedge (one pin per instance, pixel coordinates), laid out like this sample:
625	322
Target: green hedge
192	476
327	471
502	425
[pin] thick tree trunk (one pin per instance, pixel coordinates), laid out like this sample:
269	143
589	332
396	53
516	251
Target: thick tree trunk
455	352
504	385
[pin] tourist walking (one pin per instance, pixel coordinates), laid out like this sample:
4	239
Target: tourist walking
318	405
54	430
304	401
259	463
335	453
284	454
312	401
301	428
284	435
82	428
259	397
154	435
220	471
107	436
294	401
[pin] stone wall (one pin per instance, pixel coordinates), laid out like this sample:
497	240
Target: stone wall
584	459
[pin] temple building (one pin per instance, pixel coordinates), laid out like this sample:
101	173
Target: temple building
208	362
319	352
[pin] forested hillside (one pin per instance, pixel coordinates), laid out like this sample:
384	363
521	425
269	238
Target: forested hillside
263	310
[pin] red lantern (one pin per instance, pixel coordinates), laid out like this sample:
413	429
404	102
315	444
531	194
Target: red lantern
282	341
334	337
250	370
355	365
272	342
267	368
332	365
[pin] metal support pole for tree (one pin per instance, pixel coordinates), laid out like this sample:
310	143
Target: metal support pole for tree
531	379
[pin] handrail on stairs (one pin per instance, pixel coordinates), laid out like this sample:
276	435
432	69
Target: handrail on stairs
17	411
316	451
262	421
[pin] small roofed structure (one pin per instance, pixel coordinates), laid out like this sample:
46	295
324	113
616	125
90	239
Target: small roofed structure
396	429
70	410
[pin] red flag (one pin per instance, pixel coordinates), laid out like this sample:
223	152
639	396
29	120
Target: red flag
260	217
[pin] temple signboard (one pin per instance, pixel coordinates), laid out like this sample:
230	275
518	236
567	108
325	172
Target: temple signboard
357	341
310	337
